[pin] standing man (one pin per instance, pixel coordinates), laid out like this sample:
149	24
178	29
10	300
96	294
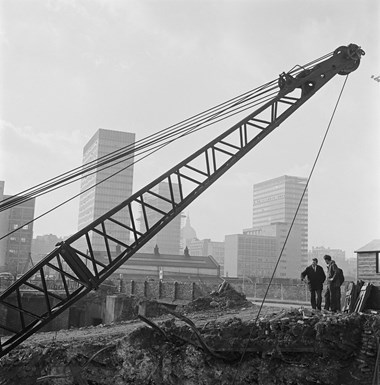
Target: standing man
332	295
315	278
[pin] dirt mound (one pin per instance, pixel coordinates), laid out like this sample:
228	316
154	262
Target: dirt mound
226	297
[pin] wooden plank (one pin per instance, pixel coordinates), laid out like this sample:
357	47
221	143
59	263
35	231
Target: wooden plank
351	295
362	298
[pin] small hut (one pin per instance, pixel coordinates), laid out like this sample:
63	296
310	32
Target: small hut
368	264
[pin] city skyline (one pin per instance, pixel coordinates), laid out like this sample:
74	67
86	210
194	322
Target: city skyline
68	69
253	230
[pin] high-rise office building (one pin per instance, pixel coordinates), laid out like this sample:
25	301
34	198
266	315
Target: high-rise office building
15	249
94	202
276	201
168	239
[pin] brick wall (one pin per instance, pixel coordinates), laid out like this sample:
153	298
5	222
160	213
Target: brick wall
172	290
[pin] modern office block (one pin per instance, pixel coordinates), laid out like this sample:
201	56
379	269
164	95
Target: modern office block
276	201
112	184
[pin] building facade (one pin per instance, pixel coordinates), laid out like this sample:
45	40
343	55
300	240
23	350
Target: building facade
167	267
249	255
276	201
206	247
15	249
168	239
113	184
255	252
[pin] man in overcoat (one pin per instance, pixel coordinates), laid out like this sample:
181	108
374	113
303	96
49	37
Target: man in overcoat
315	278
332	294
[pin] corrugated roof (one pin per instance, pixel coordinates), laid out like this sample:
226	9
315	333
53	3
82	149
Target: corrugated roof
370	247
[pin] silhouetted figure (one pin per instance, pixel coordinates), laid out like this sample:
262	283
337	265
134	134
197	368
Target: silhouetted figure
332	295
315	278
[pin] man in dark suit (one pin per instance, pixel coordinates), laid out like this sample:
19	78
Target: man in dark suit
315	278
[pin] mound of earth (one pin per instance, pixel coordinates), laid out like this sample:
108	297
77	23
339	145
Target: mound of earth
226	297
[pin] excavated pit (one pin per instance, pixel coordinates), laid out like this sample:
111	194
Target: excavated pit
210	341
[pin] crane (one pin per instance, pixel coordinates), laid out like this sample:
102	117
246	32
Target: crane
192	177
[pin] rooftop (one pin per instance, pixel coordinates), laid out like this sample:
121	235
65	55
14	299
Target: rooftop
370	247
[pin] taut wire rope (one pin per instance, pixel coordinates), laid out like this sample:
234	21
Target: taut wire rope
138	146
92	186
217	113
205	116
291	226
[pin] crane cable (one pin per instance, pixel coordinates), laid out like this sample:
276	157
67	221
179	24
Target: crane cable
131	150
83	191
290	228
112	157
12	201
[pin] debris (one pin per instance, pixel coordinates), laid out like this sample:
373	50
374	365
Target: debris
225	297
295	346
364	294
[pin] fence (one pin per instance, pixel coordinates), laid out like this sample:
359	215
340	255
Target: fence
189	290
279	291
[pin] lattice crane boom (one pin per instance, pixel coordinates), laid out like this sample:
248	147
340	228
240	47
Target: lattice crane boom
81	271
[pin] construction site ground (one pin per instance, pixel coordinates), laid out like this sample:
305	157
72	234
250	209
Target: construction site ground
215	340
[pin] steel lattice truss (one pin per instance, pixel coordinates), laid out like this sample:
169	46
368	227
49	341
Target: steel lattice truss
80	270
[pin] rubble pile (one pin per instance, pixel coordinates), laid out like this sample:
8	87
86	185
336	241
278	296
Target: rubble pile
226	297
296	347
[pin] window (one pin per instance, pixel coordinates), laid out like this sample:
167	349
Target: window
25	227
23	240
15	227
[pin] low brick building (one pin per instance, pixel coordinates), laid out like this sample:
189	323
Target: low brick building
166	266
145	266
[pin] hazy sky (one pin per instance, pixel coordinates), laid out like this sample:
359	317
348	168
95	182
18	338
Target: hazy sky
71	67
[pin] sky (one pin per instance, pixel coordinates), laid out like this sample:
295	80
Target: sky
69	67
